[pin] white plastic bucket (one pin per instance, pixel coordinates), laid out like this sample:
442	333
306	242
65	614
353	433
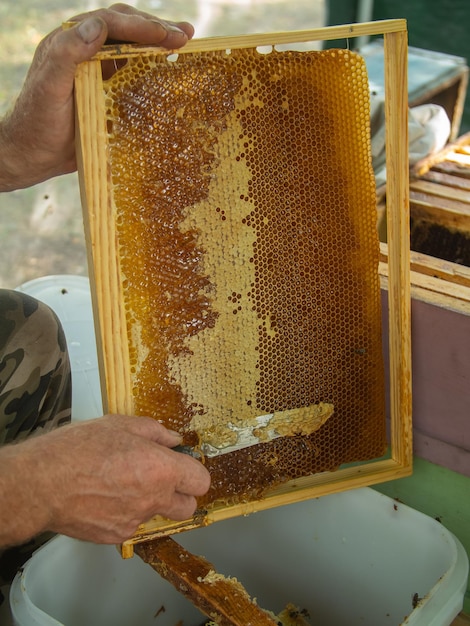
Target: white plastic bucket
352	559
69	297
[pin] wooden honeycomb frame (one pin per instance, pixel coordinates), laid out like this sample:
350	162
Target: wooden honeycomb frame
105	280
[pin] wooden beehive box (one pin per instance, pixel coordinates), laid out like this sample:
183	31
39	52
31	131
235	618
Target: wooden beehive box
440	292
440	204
229	206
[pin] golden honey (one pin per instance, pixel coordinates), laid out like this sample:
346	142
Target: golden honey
245	210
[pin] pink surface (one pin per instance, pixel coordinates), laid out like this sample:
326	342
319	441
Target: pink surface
441	385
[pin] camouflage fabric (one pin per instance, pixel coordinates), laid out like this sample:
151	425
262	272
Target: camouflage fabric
35	388
35	379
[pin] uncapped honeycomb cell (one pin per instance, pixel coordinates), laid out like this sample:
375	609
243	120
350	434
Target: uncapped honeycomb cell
245	210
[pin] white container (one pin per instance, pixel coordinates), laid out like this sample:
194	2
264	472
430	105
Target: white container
70	298
354	558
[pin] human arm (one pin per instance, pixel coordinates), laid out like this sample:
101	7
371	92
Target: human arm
96	480
37	136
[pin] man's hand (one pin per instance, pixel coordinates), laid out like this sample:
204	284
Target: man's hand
37	137
96	480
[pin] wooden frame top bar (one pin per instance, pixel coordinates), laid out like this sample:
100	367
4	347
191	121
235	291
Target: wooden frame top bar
327	33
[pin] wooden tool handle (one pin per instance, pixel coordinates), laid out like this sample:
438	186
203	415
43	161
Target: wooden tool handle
222	599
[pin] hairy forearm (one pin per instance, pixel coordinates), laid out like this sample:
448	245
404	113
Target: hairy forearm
23	505
10	160
25	161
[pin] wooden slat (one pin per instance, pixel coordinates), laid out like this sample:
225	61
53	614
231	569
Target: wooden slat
453	169
445	212
222	599
460	158
447	179
432	266
440	191
438	292
440	283
418	199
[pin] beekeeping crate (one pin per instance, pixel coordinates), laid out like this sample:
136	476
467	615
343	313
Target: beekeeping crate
263	220
440	204
440	291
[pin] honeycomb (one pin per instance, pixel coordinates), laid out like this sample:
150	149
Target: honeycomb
245	211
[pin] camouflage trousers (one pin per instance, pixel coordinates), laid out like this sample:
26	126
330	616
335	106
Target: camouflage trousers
35	385
35	380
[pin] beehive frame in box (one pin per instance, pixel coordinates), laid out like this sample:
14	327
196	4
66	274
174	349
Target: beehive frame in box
229	206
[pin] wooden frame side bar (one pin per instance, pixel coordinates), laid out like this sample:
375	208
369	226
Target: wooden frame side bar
398	225
100	235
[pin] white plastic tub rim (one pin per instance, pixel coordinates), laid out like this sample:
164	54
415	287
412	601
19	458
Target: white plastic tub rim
356	558
69	297
452	585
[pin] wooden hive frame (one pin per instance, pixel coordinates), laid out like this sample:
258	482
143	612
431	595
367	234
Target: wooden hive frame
104	264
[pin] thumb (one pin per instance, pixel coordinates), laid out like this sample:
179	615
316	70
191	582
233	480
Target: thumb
168	438
57	57
151	429
65	48
92	32
59	54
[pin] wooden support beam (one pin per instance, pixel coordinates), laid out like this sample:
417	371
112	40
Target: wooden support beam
223	599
